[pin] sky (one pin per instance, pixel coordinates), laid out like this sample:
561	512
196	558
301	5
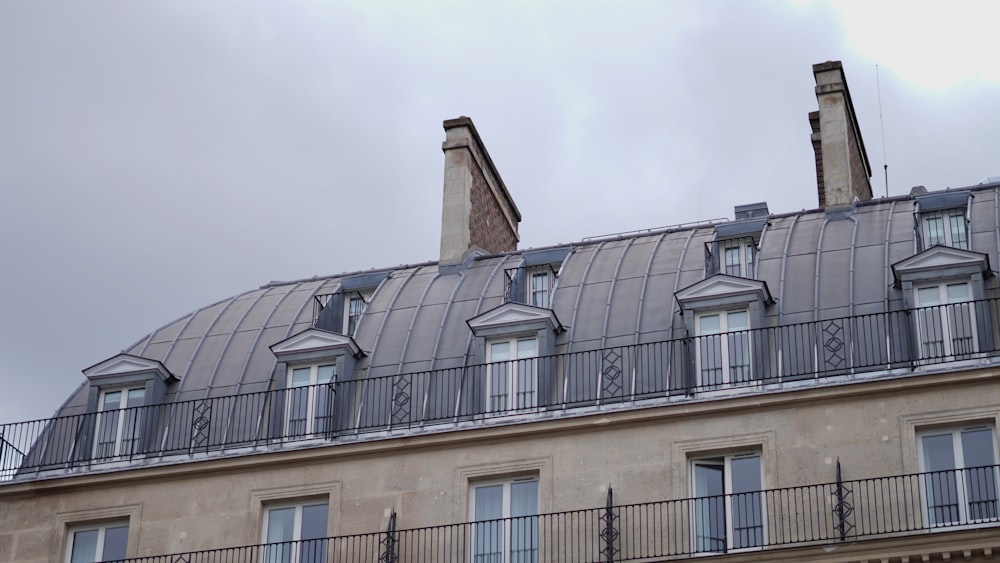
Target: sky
158	156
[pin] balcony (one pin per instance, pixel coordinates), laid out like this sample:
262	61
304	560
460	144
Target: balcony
760	360
841	512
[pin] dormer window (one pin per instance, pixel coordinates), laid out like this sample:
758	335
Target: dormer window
311	364
539	282
737	256
512	373
354	307
943	219
119	423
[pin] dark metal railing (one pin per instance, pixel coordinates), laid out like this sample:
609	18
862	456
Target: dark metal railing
755	360
795	516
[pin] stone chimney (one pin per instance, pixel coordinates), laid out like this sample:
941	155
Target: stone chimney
478	212
842	168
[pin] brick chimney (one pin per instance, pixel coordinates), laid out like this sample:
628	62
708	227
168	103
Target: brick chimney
478	212
842	168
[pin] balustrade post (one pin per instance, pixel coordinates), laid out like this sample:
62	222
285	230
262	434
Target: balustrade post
387	552
843	509
609	532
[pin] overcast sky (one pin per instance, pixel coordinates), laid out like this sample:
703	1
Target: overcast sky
160	155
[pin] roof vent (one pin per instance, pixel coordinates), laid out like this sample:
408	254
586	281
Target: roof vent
751	211
918	190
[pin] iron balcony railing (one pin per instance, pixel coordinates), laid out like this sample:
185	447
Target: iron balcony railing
710	365
824	514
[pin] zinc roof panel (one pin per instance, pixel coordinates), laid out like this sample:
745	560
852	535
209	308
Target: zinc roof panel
869	275
834	277
230	315
799	286
624	307
589	320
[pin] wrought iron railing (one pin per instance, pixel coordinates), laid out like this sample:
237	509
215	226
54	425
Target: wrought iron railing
755	360
821	514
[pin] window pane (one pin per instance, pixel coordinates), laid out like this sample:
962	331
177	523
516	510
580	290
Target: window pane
958	235
708	324
524	523
115	543
941	488
928	296
737	320
958	292
710	515
314	521
84	547
489	535
499	351
300	377
748	527
280	524
934	230
324	374
112	400
980	475
527	348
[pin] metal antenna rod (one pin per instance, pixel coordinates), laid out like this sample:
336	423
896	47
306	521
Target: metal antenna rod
881	124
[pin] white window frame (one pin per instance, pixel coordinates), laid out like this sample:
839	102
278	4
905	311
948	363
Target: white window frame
958	479
948	219
726	502
746	253
942	319
508	524
123	416
544	294
312	391
101	530
274	553
352	299
509	375
725	341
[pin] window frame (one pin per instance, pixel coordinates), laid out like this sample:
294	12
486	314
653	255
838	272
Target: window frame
943	315
124	415
351	317
959	478
296	555
746	248
512	367
725	339
101	528
507	521
313	389
539	272
699	503
949	218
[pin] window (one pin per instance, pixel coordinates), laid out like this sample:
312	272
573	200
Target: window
946	320
506	521
89	544
728	504
355	307
737	257
723	348
960	480
539	282
512	374
945	227
296	533
310	399
118	422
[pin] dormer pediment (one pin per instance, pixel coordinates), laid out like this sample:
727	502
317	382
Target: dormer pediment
126	365
723	289
315	340
941	260
514	315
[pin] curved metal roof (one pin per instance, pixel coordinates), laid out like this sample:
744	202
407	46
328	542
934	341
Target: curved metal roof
611	292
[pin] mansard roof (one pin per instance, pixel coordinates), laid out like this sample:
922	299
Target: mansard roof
611	291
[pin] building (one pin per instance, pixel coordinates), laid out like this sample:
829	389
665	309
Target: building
811	386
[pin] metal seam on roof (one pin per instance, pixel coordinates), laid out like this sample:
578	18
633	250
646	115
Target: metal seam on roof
444	318
760	246
201	341
579	292
645	282
854	249
177	337
479	304
611	291
232	334
190	316
819	250
260	331
784	264
378	336
887	245
675	307
413	320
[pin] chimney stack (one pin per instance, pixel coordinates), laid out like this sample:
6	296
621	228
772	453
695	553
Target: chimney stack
478	212
842	168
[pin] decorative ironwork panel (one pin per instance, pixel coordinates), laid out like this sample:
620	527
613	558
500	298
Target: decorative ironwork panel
609	529
834	345
201	424
387	544
401	396
611	371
